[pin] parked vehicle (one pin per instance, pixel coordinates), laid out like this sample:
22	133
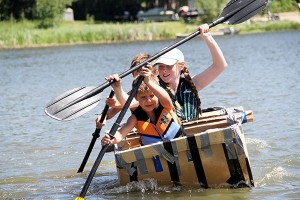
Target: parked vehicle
157	14
188	14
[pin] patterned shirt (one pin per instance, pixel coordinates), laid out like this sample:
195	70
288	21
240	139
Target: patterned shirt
185	97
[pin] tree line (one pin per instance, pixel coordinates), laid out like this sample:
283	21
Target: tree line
50	12
99	9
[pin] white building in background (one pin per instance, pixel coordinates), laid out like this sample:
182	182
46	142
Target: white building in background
69	14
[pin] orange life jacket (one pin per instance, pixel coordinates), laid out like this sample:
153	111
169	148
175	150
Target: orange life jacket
165	128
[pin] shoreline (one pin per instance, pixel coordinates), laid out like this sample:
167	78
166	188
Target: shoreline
178	36
287	16
257	24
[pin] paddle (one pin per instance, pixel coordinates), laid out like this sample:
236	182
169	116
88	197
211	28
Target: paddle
76	102
75	110
96	135
112	132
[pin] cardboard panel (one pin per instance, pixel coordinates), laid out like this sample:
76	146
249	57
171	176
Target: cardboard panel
220	156
215	167
188	174
163	176
123	176
129	156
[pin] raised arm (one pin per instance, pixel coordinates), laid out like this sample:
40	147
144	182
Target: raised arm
121	95
158	91
204	78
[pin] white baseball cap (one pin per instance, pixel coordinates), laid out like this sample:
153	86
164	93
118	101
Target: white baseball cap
170	58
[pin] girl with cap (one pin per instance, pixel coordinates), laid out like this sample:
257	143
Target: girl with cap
184	90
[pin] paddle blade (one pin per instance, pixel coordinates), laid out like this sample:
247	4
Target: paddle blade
246	10
54	107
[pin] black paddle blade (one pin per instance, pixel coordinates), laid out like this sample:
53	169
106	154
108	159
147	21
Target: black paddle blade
246	10
57	108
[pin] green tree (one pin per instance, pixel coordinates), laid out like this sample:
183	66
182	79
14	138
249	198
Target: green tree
282	5
211	8
50	13
16	9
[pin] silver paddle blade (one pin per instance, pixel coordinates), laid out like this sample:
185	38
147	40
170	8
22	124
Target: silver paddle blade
58	107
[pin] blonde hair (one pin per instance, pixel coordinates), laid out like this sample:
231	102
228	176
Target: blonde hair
139	58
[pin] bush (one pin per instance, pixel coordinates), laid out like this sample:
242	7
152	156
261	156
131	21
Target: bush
50	12
212	9
282	5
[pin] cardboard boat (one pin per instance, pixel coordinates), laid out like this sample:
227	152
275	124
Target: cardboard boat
213	154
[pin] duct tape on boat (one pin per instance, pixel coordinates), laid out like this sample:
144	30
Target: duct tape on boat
122	164
164	153
205	144
228	138
239	143
140	163
175	153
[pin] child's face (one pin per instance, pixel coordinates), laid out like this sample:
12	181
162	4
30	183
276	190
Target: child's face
169	73
147	100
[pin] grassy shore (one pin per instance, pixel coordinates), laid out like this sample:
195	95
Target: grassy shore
26	34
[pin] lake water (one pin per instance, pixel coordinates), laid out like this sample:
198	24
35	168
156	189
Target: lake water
40	156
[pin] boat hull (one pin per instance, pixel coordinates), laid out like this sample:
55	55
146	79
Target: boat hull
212	158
